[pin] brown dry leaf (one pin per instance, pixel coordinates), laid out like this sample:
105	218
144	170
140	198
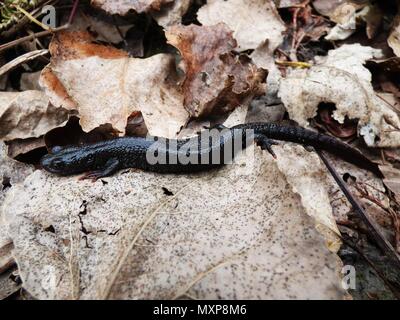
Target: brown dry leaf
106	86
216	79
256	26
256	22
127	239
122	7
28	114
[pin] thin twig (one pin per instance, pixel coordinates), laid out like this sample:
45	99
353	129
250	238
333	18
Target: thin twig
73	12
33	19
17	42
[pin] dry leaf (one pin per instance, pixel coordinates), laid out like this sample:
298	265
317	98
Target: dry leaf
256	22
23	146
341	78
216	79
394	38
30	81
348	14
129	239
122	7
106	86
11	174
392	179
171	14
256	26
104	30
7	284
28	114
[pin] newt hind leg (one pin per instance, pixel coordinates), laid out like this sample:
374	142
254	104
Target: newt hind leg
265	143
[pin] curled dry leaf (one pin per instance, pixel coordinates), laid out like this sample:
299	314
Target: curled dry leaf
217	80
106	86
129	239
122	7
341	79
28	114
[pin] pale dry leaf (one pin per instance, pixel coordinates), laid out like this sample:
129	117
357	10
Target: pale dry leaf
256	22
171	14
122	7
129	239
348	16
288	3
341	78
394	38
11	174
328	7
308	177
106	86
216	79
28	114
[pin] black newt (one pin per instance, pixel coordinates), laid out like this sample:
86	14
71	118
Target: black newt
208	150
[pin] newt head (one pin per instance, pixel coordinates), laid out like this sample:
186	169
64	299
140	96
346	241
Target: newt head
67	162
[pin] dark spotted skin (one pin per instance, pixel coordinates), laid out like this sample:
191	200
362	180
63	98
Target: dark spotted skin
105	158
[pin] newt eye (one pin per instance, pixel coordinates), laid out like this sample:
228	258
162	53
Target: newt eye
57	164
